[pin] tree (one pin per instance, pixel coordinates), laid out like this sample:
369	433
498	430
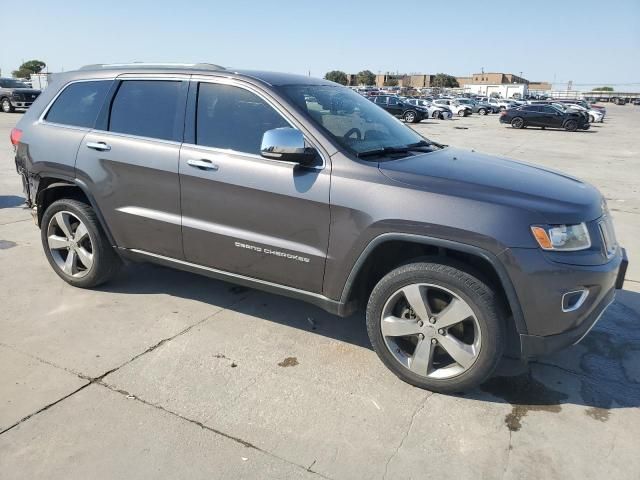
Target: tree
28	68
366	77
443	80
391	82
603	89
336	76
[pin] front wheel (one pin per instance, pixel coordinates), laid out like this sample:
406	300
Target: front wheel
591	119
462	113
436	326
571	125
483	111
410	116
6	106
75	245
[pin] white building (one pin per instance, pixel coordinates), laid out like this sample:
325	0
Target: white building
505	90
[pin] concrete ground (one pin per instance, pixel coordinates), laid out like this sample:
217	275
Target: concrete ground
163	374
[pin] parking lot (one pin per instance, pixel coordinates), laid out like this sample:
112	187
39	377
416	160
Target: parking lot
165	374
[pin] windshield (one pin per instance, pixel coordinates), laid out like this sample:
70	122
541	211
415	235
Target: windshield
351	120
11	83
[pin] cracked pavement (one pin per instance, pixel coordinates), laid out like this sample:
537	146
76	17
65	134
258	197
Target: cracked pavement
165	374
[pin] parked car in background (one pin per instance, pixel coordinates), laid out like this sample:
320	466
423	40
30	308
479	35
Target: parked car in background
455	106
401	109
544	116
476	106
500	104
435	111
636	101
15	94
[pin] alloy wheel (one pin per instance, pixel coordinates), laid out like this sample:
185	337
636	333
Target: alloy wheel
409	117
431	331
517	122
70	244
6	106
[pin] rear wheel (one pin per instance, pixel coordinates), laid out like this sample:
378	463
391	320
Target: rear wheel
75	245
436	326
517	122
483	111
436	114
571	125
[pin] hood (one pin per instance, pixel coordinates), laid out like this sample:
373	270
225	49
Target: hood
28	91
557	197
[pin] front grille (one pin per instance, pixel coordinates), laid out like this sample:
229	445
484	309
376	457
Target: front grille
609	242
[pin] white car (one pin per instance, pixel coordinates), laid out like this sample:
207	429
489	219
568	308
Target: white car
435	111
456	108
501	103
595	116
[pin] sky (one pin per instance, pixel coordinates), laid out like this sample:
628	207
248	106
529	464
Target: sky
553	41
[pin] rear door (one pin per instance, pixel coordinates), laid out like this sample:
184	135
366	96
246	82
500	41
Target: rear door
130	162
242	213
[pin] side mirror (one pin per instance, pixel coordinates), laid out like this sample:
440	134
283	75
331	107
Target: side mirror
287	145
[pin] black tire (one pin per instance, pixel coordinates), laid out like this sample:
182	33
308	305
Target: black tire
517	122
6	106
570	125
106	261
478	296
410	116
483	111
436	114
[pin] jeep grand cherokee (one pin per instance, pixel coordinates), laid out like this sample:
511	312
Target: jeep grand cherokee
302	187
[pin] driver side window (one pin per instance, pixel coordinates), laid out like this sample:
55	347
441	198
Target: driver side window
233	118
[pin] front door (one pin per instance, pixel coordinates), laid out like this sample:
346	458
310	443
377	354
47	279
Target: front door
242	213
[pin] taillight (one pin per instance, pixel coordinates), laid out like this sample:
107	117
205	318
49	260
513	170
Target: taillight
16	133
503	113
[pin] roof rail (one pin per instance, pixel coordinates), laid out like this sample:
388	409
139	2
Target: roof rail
193	66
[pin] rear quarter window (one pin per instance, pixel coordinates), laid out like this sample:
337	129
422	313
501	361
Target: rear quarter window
79	103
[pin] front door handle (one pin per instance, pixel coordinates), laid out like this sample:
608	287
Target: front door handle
100	146
202	164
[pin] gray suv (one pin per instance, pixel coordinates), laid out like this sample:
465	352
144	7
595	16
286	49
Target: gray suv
302	187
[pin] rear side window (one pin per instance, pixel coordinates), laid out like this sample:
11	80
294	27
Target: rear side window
79	104
148	108
233	118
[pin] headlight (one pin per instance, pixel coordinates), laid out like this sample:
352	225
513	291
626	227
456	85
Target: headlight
566	238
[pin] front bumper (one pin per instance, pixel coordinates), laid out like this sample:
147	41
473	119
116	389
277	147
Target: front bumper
20	104
541	286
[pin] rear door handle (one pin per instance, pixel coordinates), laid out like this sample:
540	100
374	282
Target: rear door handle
100	146
202	164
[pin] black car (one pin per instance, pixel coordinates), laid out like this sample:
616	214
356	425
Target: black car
15	94
399	108
544	116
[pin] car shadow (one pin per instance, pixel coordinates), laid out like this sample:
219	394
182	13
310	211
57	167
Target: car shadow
11	201
602	372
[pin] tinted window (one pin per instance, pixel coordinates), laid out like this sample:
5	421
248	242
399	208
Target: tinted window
530	108
148	108
393	101
233	118
381	100
547	109
79	104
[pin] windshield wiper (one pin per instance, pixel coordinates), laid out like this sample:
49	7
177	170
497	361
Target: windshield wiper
382	151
